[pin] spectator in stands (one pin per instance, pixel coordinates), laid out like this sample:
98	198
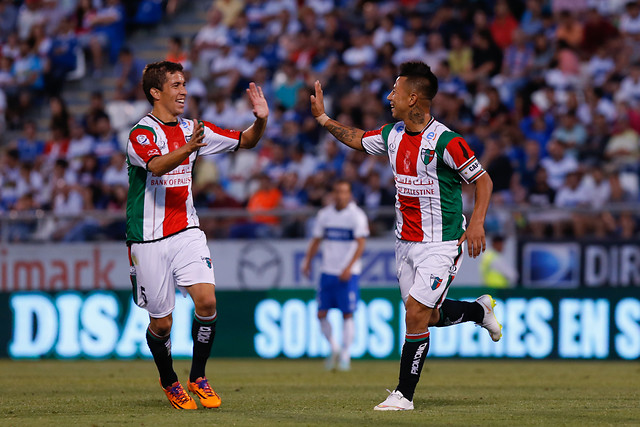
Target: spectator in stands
571	133
29	14
176	52
128	71
29	146
28	72
623	148
96	109
106	144
90	40
558	164
570	195
503	25
211	36
63	56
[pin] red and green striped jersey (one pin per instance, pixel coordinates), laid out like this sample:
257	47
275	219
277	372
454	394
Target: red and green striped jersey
159	206
428	168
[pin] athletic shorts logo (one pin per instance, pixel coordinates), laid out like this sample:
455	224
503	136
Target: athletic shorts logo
436	282
142	140
208	261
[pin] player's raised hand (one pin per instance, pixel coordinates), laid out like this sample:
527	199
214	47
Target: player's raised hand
258	101
197	137
317	101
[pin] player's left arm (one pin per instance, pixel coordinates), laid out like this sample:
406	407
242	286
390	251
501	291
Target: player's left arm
346	273
460	157
474	234
253	133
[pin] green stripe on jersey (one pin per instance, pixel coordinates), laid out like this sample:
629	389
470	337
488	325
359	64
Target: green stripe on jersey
135	203
450	191
149	128
386	130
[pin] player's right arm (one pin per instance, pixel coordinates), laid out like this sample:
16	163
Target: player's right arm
311	253
159	165
318	233
348	135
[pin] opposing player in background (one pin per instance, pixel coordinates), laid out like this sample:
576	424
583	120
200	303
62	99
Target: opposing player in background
340	230
166	247
429	164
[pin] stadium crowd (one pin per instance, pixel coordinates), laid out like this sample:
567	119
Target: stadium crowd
547	93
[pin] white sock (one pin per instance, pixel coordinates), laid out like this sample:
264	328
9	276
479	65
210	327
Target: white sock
348	332
325	326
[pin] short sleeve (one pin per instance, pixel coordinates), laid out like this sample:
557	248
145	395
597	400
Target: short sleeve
461	158
219	140
375	141
142	146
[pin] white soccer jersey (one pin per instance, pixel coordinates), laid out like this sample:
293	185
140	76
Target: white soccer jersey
428	168
339	230
159	206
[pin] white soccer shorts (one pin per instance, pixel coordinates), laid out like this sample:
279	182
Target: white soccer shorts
426	269
157	268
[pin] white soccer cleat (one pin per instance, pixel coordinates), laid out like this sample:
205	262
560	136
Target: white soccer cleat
331	361
395	402
489	321
345	361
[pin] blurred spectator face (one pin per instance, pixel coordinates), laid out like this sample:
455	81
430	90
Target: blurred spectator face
341	194
409	38
532	149
501	9
103	126
633	9
541	177
29	130
556	150
572	180
214	17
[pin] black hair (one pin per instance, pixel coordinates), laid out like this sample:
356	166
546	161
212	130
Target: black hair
420	77
155	76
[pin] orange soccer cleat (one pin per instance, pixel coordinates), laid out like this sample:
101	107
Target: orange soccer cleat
203	390
178	397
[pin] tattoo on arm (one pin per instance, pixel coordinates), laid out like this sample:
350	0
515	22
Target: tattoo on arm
346	134
416	115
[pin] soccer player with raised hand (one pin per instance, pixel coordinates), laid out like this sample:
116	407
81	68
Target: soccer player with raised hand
429	163
166	247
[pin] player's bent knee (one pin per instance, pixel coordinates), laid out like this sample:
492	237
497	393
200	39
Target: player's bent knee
206	305
161	326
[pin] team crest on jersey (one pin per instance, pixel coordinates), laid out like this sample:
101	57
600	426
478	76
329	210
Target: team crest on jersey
142	140
188	137
427	155
207	261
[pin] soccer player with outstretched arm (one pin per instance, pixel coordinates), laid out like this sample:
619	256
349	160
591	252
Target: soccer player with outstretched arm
429	164
166	247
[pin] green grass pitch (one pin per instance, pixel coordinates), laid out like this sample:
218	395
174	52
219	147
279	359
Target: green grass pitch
299	392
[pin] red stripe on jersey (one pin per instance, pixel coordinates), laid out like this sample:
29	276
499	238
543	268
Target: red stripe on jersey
143	142
411	218
372	133
407	156
175	139
175	210
235	134
460	151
